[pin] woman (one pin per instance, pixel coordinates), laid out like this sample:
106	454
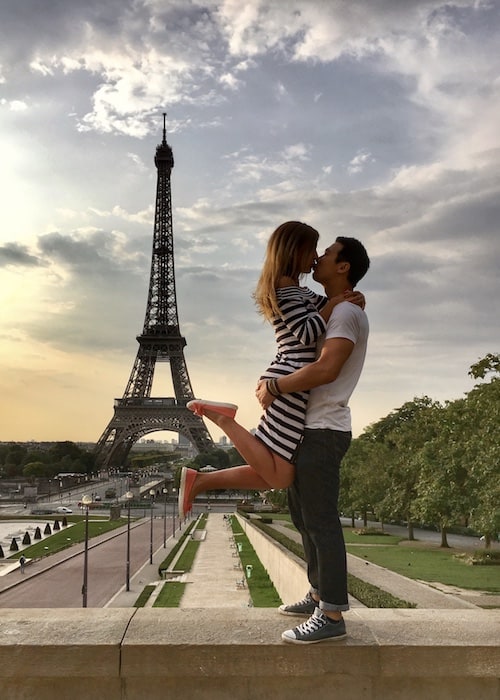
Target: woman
299	318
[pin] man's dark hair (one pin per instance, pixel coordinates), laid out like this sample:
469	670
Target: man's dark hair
353	252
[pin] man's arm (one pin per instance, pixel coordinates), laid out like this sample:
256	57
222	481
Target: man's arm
324	370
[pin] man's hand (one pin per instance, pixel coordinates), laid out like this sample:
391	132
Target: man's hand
263	396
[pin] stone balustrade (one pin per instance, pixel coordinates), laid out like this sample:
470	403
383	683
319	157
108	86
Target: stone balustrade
153	653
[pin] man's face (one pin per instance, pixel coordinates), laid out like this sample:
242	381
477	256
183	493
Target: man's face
326	264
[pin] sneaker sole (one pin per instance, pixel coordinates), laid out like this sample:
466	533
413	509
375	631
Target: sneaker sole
223	409
313	641
182	490
296	613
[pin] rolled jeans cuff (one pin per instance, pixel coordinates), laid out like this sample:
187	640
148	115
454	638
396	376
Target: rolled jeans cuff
330	607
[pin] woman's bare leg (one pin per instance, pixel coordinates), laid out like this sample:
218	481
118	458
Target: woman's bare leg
193	482
274	470
243	477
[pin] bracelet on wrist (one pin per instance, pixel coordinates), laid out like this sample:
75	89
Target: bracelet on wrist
272	387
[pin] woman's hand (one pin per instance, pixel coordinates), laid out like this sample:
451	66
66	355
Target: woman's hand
357	298
263	396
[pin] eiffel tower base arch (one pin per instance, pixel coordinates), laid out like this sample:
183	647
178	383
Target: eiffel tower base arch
135	418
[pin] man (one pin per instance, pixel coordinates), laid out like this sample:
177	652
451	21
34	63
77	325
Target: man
313	496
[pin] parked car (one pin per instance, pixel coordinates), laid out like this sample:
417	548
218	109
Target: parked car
97	498
63	509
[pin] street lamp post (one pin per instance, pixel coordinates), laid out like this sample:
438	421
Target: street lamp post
86	501
174	494
129	496
152	493
165	493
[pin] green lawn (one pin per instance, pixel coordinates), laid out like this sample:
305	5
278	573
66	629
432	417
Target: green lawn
67	536
260	586
144	596
351	537
186	559
423	562
170	595
431	564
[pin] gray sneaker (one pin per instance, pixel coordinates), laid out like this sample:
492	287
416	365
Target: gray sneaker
306	606
318	628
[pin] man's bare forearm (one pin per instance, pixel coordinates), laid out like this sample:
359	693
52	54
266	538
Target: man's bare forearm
323	371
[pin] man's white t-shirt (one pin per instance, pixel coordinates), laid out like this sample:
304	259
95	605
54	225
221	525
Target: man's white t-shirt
328	404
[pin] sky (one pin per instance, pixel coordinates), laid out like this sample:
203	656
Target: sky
368	118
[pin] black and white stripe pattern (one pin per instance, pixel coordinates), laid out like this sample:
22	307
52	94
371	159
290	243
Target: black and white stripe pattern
297	331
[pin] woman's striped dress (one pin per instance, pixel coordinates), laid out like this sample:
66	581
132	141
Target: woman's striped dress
297	331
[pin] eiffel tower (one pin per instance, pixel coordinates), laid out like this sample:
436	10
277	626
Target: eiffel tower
137	413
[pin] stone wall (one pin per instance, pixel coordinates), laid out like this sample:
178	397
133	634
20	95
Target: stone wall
148	654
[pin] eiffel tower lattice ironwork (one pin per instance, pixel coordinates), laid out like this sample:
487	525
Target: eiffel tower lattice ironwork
137	413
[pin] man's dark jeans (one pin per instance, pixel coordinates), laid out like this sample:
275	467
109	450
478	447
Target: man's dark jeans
313	502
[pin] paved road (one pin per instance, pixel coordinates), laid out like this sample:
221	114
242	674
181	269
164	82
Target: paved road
61	586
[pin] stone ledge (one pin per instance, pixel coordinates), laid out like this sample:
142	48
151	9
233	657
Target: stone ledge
118	653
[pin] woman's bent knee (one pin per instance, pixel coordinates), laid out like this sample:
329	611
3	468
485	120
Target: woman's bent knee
283	476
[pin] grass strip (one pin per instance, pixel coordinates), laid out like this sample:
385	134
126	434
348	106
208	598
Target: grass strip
170	595
165	564
202	522
185	561
260	586
67	537
172	591
432	564
366	593
372	538
144	596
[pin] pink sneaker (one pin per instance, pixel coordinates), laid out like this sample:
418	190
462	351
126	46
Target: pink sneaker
188	477
198	406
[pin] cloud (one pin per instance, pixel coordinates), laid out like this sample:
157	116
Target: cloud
272	106
359	162
146	54
228	80
81	295
18	255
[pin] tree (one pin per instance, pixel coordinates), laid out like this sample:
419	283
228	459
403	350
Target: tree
216	458
443	489
37	470
482	447
363	478
403	433
234	457
278	497
13	460
489	363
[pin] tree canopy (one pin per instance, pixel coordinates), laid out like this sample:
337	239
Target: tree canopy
432	463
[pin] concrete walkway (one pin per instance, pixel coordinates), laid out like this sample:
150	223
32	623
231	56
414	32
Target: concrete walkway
216	579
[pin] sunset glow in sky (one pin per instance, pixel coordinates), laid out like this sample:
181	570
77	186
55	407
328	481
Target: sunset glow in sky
370	118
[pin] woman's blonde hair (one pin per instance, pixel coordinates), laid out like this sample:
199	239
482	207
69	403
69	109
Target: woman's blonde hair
287	248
